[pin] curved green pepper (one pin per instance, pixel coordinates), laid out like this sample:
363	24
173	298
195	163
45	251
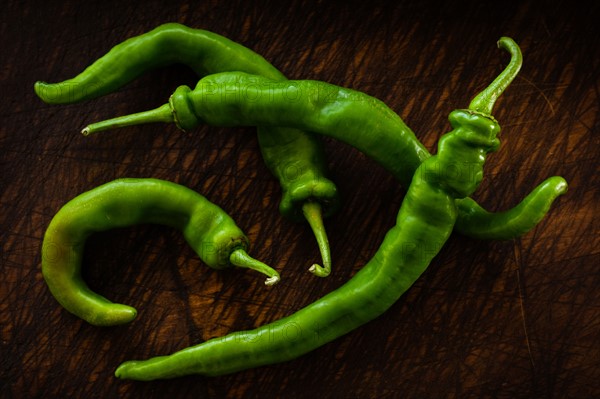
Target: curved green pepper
214	236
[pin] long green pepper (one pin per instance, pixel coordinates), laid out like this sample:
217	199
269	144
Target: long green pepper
212	234
366	123
295	157
424	223
306	190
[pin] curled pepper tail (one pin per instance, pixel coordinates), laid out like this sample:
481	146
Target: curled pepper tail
484	101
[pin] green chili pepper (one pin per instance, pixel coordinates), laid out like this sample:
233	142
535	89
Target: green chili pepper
424	223
296	158
207	228
235	98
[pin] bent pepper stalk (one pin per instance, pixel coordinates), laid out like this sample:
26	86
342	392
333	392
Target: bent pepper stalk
239	99
425	221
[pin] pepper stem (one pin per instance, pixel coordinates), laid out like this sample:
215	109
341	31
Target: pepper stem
240	258
163	113
484	101
314	215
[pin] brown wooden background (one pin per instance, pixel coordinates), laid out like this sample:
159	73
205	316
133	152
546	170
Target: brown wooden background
512	319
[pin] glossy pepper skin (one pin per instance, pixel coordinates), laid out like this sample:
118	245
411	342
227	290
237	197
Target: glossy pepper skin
240	99
424	223
295	157
287	154
212	234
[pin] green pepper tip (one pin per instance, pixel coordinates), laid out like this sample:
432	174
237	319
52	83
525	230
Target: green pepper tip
38	87
561	185
123	314
122	370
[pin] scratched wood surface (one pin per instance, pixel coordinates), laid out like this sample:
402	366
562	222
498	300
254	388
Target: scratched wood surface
505	319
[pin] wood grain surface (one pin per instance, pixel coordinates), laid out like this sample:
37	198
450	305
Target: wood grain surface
498	319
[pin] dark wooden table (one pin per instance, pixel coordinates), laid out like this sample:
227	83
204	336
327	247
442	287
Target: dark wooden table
505	319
